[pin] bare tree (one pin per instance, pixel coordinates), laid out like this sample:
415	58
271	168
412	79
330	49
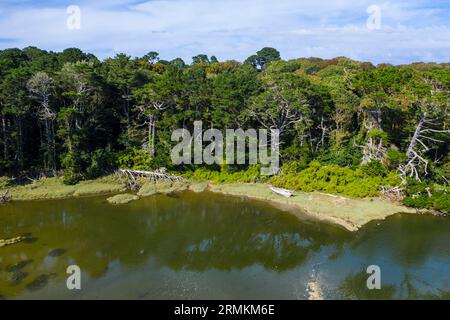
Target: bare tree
147	111
40	87
430	128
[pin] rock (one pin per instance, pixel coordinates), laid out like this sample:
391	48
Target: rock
122	198
166	187
18	277
314	291
18	266
38	283
56	253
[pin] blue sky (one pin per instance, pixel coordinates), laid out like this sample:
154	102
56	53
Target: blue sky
414	30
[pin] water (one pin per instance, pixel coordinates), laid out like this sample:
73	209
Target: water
208	246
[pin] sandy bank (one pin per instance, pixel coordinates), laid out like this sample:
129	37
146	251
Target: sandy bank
349	213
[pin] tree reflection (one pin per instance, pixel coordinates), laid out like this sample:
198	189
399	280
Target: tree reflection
193	232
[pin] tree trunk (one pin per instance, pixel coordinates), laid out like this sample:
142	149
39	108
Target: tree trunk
19	140
5	138
413	142
152	135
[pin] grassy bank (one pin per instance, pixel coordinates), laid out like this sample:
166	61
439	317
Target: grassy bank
350	213
54	188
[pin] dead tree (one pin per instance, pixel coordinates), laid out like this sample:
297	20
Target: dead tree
147	112
155	176
40	86
416	162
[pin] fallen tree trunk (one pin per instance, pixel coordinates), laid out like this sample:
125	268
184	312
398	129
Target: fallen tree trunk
153	175
159	175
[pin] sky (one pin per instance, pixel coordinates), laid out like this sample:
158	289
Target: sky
393	31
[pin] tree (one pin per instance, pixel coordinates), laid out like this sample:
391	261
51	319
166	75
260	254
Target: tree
201	58
124	76
379	90
431	127
151	57
40	86
282	105
178	62
17	104
152	100
263	57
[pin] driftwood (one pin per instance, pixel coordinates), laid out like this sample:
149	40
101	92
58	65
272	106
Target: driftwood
158	175
5	197
7	242
394	194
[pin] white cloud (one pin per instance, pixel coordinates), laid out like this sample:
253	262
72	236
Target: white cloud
235	29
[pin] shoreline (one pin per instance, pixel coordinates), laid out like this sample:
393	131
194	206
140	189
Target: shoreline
349	213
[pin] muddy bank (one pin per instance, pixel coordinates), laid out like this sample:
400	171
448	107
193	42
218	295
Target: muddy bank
349	213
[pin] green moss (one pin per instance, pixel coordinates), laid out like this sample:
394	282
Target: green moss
122	198
151	188
54	188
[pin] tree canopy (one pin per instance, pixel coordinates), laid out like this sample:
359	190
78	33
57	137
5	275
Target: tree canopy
68	110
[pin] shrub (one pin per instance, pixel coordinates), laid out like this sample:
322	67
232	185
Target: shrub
418	196
4	182
101	161
252	174
374	169
394	158
439	200
346	156
71	163
336	179
136	159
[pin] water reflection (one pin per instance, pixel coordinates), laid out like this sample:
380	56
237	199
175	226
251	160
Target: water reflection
205	236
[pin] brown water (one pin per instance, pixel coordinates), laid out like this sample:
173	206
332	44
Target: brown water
208	246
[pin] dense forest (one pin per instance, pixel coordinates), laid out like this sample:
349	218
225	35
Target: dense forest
346	127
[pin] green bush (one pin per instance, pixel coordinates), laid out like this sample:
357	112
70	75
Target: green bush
345	156
252	174
136	159
439	201
394	158
336	179
5	182
71	163
101	161
418	196
374	169
70	177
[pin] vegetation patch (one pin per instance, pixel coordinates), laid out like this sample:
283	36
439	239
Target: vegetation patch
151	188
198	186
122	198
55	188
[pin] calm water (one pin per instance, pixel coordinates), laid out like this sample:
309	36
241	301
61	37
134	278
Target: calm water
208	246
